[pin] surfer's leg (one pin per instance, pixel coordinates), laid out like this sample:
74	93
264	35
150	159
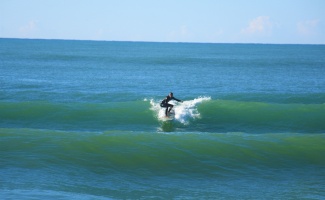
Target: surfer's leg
166	111
170	107
164	106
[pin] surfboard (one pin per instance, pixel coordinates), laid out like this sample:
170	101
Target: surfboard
170	117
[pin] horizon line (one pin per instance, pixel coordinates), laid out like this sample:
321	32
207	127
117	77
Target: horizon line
142	41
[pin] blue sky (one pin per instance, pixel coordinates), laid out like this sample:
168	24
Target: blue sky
211	21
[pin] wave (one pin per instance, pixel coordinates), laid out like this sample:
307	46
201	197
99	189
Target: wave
148	152
75	116
201	114
263	117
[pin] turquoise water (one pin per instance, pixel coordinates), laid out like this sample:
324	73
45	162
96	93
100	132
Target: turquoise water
81	120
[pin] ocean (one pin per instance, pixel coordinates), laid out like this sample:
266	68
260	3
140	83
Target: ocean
81	120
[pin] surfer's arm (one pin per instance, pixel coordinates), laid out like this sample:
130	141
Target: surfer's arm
177	99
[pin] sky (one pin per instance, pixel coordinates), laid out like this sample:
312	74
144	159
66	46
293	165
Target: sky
204	21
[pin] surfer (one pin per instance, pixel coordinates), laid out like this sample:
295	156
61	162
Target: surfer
166	105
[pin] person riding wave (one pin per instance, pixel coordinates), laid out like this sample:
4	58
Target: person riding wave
166	105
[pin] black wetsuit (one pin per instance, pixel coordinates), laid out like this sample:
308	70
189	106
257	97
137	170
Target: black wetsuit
166	105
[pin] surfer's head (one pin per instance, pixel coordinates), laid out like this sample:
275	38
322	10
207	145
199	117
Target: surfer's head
171	94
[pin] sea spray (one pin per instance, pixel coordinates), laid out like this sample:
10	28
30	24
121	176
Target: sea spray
184	111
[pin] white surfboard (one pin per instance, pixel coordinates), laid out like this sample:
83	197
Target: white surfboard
170	117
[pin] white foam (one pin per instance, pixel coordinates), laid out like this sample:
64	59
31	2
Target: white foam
183	111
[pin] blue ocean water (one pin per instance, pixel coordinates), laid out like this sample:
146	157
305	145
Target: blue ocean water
81	120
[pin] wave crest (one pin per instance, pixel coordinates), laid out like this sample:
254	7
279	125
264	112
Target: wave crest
184	111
